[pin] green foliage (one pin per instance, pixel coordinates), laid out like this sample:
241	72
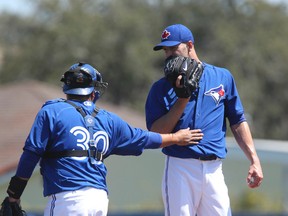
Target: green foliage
117	37
253	201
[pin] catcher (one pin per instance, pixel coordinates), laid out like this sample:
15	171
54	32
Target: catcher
72	137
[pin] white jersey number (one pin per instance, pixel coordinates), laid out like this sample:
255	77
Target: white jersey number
100	138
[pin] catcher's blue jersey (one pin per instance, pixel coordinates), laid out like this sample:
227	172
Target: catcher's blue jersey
215	100
58	126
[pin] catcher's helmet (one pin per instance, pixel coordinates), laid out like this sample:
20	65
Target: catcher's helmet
81	79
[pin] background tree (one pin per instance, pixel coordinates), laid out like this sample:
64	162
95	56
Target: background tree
247	37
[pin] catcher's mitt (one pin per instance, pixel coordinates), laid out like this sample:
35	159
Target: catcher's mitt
11	208
190	70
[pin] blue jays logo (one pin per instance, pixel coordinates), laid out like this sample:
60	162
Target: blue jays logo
216	93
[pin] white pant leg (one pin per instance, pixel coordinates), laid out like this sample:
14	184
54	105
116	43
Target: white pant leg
84	202
215	200
191	187
181	191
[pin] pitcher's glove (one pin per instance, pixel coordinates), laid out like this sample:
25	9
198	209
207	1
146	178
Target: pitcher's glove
190	70
11	208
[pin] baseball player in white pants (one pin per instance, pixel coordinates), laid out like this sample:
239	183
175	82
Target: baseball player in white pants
193	181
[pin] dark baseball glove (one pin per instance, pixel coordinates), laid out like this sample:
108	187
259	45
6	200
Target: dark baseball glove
190	70
11	208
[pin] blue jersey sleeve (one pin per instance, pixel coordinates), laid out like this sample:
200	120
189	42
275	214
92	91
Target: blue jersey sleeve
40	132
128	140
27	164
159	100
233	107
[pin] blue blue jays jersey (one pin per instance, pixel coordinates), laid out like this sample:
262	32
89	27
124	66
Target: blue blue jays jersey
215	101
58	127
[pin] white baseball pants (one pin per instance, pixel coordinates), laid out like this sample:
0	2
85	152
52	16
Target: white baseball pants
191	186
85	202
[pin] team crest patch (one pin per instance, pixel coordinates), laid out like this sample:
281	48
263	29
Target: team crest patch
216	93
165	34
87	103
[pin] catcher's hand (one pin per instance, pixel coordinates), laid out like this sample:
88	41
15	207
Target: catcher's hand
190	70
11	208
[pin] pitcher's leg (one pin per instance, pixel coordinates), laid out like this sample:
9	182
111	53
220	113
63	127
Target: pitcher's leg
181	186
215	200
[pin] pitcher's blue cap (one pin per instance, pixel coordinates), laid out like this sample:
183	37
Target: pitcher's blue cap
174	35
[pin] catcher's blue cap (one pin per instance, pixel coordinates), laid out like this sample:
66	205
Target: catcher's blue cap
174	35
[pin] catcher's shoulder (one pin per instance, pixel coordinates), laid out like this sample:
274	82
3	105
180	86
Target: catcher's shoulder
104	113
53	101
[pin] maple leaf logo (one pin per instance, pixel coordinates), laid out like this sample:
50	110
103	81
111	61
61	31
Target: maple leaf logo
165	34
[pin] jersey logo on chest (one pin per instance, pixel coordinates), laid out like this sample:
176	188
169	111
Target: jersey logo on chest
217	93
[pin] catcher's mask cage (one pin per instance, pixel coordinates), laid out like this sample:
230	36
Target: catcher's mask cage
83	79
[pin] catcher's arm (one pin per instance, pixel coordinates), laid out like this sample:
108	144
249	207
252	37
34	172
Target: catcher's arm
11	205
182	137
17	184
16	187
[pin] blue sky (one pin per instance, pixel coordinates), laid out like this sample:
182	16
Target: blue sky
17	6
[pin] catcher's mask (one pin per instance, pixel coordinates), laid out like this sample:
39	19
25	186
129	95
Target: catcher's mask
83	79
